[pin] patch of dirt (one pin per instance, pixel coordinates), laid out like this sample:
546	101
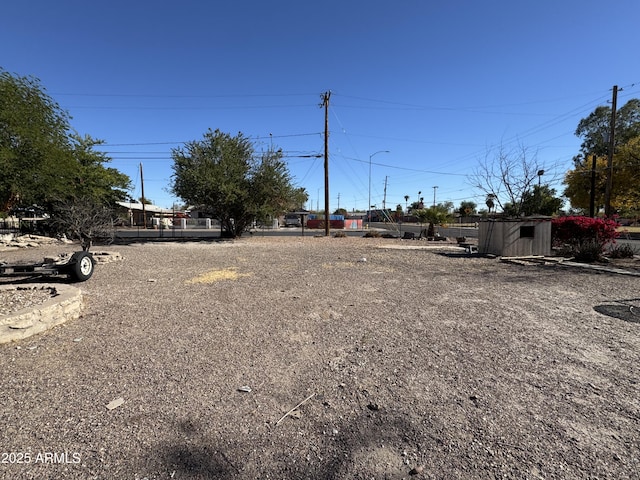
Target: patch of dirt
415	363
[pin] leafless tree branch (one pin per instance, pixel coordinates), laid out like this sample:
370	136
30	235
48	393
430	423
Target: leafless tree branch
86	221
507	174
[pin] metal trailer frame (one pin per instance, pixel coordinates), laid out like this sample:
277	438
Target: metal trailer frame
78	267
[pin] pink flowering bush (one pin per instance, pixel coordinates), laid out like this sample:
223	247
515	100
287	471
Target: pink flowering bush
583	237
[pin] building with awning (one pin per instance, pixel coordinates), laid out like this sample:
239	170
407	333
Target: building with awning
136	213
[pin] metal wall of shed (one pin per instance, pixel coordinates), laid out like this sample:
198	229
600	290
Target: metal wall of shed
502	237
490	237
516	246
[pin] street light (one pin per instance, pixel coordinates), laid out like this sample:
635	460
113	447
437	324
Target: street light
369	212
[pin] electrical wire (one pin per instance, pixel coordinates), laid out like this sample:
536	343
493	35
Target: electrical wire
336	106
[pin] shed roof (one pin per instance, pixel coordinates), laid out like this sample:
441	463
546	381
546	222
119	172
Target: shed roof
147	207
532	218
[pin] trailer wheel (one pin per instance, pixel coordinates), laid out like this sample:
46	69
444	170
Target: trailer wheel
81	266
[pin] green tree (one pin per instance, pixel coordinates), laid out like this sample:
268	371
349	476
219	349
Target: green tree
93	179
625	195
399	213
467	208
419	205
222	174
541	200
299	199
596	128
594	131
42	161
341	211
625	198
437	215
34	143
86	210
577	183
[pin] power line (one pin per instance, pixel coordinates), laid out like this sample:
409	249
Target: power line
199	108
258	137
146	95
431	172
136	144
478	108
117	157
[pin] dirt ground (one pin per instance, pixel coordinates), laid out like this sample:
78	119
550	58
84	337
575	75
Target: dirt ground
409	363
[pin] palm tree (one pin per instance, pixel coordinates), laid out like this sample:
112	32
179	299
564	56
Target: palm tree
434	216
406	200
490	201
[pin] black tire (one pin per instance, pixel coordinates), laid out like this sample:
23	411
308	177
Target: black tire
81	266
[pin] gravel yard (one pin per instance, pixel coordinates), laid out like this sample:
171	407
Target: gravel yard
16	299
408	363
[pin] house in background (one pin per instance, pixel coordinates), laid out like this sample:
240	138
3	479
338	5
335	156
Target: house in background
138	215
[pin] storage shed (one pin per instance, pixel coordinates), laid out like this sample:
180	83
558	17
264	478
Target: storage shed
515	237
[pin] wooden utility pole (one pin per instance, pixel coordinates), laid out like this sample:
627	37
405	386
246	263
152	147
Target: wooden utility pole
144	212
384	198
607	194
592	197
325	104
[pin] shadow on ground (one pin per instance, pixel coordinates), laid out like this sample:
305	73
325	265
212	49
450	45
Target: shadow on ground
621	311
370	445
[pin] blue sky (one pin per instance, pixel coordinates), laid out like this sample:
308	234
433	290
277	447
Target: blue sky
439	85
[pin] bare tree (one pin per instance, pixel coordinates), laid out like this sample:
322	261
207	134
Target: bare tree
505	175
85	221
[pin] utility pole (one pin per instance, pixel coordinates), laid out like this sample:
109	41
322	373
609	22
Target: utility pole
607	194
338	201
144	212
325	104
369	205
384	198
435	187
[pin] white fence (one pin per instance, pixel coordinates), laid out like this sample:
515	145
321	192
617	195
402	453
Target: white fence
184	223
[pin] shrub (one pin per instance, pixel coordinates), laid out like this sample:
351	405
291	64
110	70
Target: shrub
588	251
621	251
339	234
83	219
583	237
372	234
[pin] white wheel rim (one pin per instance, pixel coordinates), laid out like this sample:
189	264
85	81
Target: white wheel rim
85	266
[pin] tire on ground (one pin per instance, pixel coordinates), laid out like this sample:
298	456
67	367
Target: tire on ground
81	266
